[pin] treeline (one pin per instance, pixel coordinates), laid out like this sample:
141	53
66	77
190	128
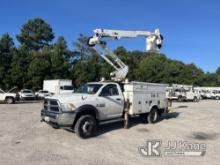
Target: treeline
39	57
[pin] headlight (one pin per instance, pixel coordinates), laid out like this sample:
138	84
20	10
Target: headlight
68	107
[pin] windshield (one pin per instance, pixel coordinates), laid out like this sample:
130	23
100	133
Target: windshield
66	87
89	88
27	91
43	92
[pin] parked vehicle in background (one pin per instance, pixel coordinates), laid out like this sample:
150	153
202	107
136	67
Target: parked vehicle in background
171	93
26	94
192	95
200	91
215	94
58	86
209	92
7	97
41	94
182	93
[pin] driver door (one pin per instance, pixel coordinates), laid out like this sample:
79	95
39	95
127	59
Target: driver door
110	102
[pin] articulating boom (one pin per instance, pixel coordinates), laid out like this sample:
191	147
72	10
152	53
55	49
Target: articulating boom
153	44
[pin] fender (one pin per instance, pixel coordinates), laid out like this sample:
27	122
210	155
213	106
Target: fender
153	106
87	108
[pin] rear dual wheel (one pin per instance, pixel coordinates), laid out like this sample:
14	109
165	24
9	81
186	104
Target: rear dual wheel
153	116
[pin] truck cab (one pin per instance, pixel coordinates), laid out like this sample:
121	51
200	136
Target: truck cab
106	98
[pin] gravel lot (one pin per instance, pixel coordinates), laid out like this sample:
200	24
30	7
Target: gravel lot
25	140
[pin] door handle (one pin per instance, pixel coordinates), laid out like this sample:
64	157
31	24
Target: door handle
118	99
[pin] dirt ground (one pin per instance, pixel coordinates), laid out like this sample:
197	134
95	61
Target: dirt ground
25	140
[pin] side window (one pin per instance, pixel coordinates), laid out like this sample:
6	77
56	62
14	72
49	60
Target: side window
110	90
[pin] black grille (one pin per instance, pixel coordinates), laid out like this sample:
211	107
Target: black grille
51	105
45	101
56	109
53	102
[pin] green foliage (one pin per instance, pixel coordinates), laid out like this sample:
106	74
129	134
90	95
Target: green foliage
35	34
7	51
157	68
39	67
218	71
82	50
19	67
36	59
85	62
59	59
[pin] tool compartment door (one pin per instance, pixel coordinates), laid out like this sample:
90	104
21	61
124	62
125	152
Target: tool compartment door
145	102
137	103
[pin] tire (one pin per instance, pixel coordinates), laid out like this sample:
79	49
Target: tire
195	99
153	116
10	100
86	126
180	99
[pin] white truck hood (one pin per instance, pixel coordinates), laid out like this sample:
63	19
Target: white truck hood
71	97
10	94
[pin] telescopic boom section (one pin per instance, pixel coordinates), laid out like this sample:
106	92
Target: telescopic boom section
153	44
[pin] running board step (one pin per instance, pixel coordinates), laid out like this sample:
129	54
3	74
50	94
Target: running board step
111	121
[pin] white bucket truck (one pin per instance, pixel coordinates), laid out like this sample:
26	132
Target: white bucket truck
183	93
108	101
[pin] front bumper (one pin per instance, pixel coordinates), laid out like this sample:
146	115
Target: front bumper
42	96
28	98
59	119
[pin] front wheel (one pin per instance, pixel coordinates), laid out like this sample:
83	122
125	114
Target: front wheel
10	100
153	116
86	126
